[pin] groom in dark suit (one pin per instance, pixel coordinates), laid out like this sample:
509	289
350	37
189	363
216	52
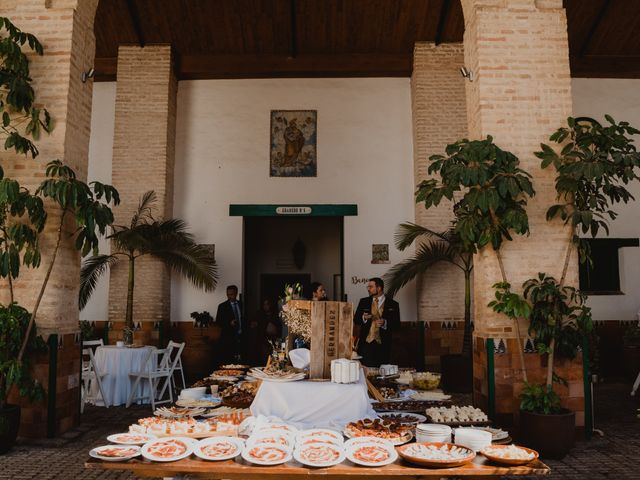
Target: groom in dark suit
231	320
378	316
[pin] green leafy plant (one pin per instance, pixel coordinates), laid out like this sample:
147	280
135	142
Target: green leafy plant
539	399
632	334
490	193
21	120
202	319
434	248
87	330
167	240
14	320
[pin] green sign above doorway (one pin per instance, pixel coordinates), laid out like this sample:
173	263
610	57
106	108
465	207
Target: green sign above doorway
288	210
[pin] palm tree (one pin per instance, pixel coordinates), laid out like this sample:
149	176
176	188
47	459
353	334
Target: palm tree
436	247
166	240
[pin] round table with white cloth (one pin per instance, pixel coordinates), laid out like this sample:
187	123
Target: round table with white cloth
117	363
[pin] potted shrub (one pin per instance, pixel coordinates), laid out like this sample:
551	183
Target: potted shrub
594	167
559	322
631	351
489	192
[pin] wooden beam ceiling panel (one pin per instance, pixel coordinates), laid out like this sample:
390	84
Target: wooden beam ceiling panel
112	27
617	33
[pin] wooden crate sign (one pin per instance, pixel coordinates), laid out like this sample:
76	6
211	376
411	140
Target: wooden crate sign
331	330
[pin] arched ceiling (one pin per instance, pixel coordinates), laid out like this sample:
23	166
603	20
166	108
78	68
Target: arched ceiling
327	38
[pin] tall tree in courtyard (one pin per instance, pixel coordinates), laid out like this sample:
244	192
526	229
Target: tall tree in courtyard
166	240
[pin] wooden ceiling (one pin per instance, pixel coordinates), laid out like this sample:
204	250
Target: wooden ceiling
336	38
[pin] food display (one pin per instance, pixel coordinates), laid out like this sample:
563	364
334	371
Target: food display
266	454
218	448
436	454
227	372
275	374
115	453
177	412
372	454
456	415
417	406
168	449
408	418
330	436
396	433
239	396
130	438
235	415
207	382
425	380
235	366
162	427
319	454
509	454
199	403
388	392
278	437
430	395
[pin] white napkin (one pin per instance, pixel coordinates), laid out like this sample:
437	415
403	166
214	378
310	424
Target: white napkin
300	357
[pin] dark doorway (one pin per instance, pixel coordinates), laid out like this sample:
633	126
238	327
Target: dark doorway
272	284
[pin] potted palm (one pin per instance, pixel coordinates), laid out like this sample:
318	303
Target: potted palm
435	248
166	240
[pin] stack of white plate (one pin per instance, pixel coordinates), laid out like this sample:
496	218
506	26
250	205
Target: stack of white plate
194	393
431	432
472	438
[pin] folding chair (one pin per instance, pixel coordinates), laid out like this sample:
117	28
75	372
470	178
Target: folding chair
157	369
178	368
89	375
92	344
636	384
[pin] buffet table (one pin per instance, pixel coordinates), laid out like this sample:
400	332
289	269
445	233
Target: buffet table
230	469
313	404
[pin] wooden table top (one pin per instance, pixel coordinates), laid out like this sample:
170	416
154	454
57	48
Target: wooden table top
230	469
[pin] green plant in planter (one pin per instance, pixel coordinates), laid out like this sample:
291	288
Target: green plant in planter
166	240
14	320
632	335
434	248
202	319
540	399
489	191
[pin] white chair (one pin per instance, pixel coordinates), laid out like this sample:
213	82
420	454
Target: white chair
178	368
636	384
157	367
92	344
89	375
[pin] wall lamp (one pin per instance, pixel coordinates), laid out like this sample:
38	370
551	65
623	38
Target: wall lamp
466	73
88	74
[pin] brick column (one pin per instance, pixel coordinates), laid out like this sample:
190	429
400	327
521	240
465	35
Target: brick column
143	159
519	53
438	108
65	29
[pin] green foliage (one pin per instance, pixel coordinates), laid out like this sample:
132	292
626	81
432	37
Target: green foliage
558	313
167	240
593	168
539	399
632	334
88	203
508	303
20	119
202	319
87	330
13	325
494	192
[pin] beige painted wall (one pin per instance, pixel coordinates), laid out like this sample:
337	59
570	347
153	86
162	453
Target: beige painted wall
365	157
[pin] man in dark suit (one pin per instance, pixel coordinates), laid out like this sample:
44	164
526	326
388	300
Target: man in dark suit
231	320
378	316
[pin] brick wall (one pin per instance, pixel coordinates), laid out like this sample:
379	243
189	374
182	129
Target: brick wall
518	51
143	159
438	108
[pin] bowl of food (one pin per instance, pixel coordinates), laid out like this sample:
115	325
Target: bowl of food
509	454
426	380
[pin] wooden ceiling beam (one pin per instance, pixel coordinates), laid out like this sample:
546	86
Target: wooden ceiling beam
134	16
605	66
594	26
442	21
293	46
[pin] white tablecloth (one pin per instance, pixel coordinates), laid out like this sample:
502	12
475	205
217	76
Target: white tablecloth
116	363
309	404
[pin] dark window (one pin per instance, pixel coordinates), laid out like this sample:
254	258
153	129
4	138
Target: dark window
602	277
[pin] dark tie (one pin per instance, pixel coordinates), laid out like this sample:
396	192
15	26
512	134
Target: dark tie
236	313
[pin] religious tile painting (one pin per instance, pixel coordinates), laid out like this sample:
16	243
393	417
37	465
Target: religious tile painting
293	143
380	253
